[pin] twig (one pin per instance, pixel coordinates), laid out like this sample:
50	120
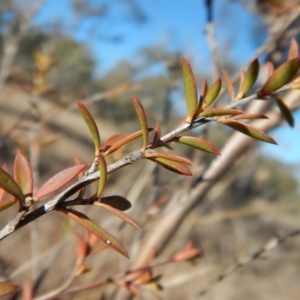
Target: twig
128	159
268	246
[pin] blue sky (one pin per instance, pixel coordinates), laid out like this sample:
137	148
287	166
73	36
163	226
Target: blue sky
176	25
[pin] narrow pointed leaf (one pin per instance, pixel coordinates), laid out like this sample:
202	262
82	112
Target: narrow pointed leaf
111	141
212	94
293	50
23	174
173	166
285	111
7	203
190	90
248	130
169	156
59	180
197	143
242	78
217	112
10	186
143	121
116	201
249	117
103	175
229	84
157	135
204	88
6	288
250	78
126	218
91	125
93	228
2	191
281	76
125	141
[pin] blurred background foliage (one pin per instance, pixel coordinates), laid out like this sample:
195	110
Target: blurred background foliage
154	77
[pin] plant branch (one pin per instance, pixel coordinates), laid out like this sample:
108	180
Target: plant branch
268	246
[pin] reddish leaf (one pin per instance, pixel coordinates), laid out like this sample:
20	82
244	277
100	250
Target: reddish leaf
93	228
116	201
91	125
285	111
157	135
111	141
229	84
212	94
249	117
270	68
6	288
190	89
248	130
188	253
23	174
173	166
169	156
216	112
125	141
281	76
197	143
293	50
83	248
77	163
204	88
103	175
7	203
10	186
143	121
250	79
59	180
126	218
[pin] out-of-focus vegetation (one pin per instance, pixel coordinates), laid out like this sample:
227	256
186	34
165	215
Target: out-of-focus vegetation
257	198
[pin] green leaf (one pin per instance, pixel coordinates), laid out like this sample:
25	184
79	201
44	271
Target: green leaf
229	84
197	143
91	125
173	166
6	288
93	228
116	201
281	76
248	130
250	78
190	90
103	175
125	141
58	181
23	174
217	112
285	111
126	218
10	186
169	156
143	121
212	94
